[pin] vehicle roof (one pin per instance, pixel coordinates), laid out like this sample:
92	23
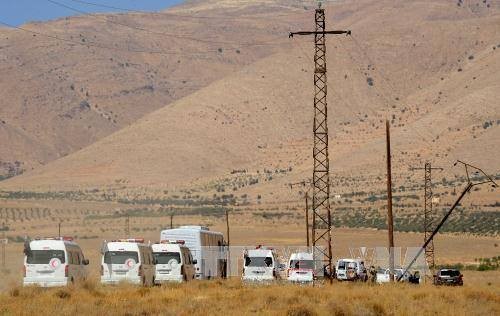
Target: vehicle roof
259	252
168	247
301	256
117	245
192	229
351	260
449	269
53	244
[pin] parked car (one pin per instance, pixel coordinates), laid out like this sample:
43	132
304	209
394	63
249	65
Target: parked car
127	260
301	268
351	270
383	276
260	265
448	277
173	261
56	261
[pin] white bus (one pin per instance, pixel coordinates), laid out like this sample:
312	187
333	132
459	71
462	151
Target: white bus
56	261
207	248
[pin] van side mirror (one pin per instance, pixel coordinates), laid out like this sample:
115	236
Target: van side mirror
86	262
195	261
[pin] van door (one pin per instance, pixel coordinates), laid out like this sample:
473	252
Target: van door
168	263
259	267
46	265
121	265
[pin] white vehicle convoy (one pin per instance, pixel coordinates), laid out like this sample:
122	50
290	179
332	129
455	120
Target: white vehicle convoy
260	265
301	268
57	261
383	276
207	249
174	262
351	270
127	260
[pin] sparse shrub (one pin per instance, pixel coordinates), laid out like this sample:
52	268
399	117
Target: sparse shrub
300	310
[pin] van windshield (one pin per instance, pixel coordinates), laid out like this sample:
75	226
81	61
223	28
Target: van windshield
258	262
302	264
166	257
120	257
343	265
44	256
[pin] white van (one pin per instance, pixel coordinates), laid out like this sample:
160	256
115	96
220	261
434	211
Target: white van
127	260
260	265
301	267
57	261
174	262
383	276
207	248
351	270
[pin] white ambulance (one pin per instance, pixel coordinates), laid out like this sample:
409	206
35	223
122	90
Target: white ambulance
174	262
301	268
260	265
207	248
127	260
56	261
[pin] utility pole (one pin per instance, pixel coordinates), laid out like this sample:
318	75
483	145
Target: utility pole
468	187
127	226
228	262
428	215
322	221
3	241
306	195
59	229
390	223
171	220
307	220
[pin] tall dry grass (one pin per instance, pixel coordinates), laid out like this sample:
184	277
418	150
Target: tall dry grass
233	298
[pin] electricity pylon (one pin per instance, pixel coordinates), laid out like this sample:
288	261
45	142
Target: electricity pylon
429	215
322	221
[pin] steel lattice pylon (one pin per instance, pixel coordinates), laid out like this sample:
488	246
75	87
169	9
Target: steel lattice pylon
428	217
321	174
322	222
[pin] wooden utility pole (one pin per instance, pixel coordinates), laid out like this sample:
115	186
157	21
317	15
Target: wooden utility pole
307	220
228	261
3	241
390	226
59	228
171	220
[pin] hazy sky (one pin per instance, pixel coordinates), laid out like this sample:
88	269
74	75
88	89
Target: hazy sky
17	12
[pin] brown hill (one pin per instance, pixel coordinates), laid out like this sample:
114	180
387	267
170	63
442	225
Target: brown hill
431	67
68	83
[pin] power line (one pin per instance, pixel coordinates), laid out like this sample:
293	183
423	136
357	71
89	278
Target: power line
99	45
106	19
99	5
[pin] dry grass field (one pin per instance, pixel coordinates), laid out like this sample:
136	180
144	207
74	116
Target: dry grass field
223	297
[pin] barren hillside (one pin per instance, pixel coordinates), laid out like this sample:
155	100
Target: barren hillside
431	67
68	83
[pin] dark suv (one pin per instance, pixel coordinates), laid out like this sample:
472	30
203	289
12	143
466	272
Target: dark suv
448	277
